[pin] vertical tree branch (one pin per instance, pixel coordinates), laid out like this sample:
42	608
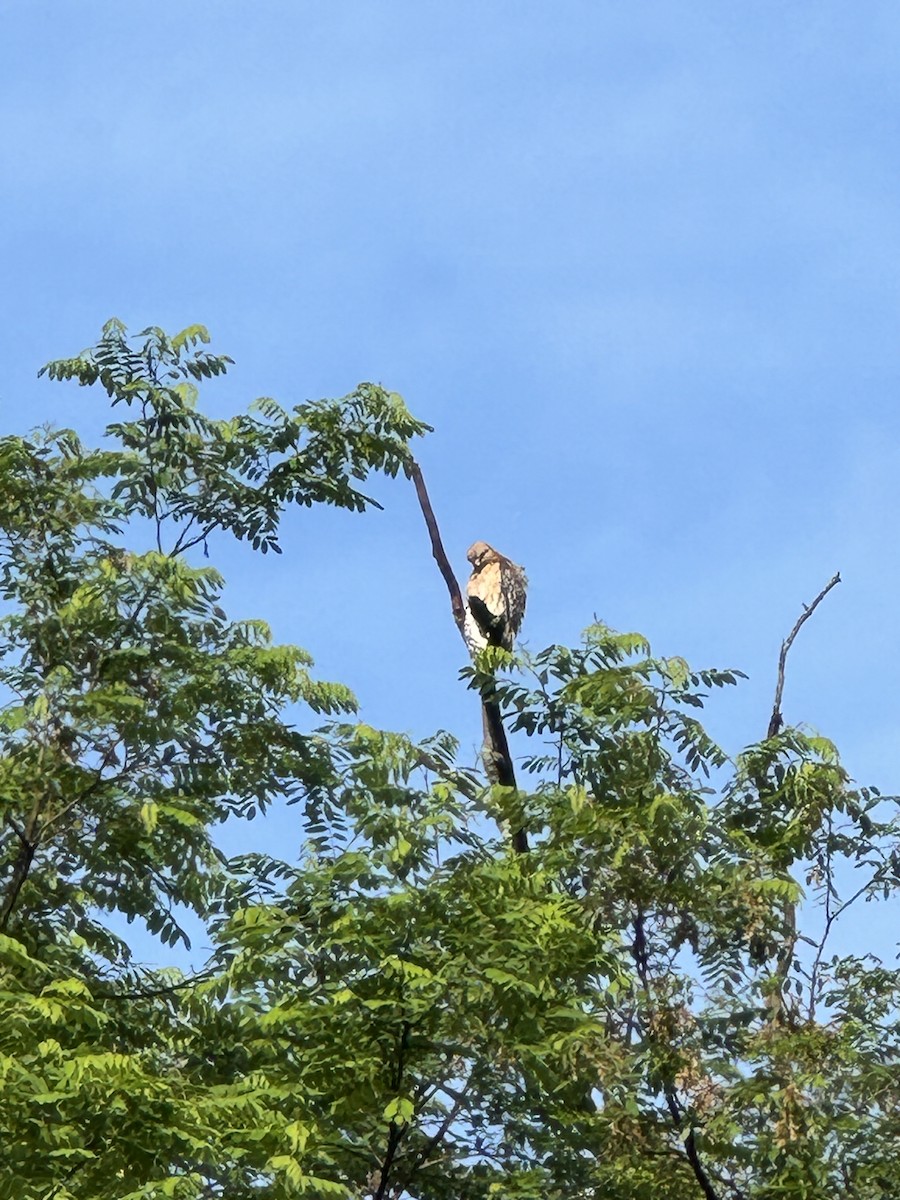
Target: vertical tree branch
395	1130
641	954
776	720
457	603
499	762
22	864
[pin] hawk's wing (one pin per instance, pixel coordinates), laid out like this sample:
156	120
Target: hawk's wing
513	584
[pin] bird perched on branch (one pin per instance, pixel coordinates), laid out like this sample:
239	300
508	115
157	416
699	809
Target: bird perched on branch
496	595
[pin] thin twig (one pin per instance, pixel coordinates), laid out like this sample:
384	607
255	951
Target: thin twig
820	951
776	720
437	1138
98	780
166	990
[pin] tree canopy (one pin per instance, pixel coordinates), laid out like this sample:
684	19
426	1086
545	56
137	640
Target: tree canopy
641	1003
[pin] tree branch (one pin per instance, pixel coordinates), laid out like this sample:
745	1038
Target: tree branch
395	1130
29	839
776	720
21	867
640	951
457	603
690	1145
499	761
421	1158
831	917
168	989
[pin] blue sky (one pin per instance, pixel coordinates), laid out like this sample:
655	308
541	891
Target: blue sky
637	264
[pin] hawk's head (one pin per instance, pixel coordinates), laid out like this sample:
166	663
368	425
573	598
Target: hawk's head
480	554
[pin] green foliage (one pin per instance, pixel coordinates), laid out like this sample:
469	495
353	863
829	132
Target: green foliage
643	1005
237	475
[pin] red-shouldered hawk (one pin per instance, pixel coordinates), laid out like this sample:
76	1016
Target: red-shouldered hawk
496	593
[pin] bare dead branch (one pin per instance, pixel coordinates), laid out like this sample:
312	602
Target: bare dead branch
437	546
776	720
499	760
776	1001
